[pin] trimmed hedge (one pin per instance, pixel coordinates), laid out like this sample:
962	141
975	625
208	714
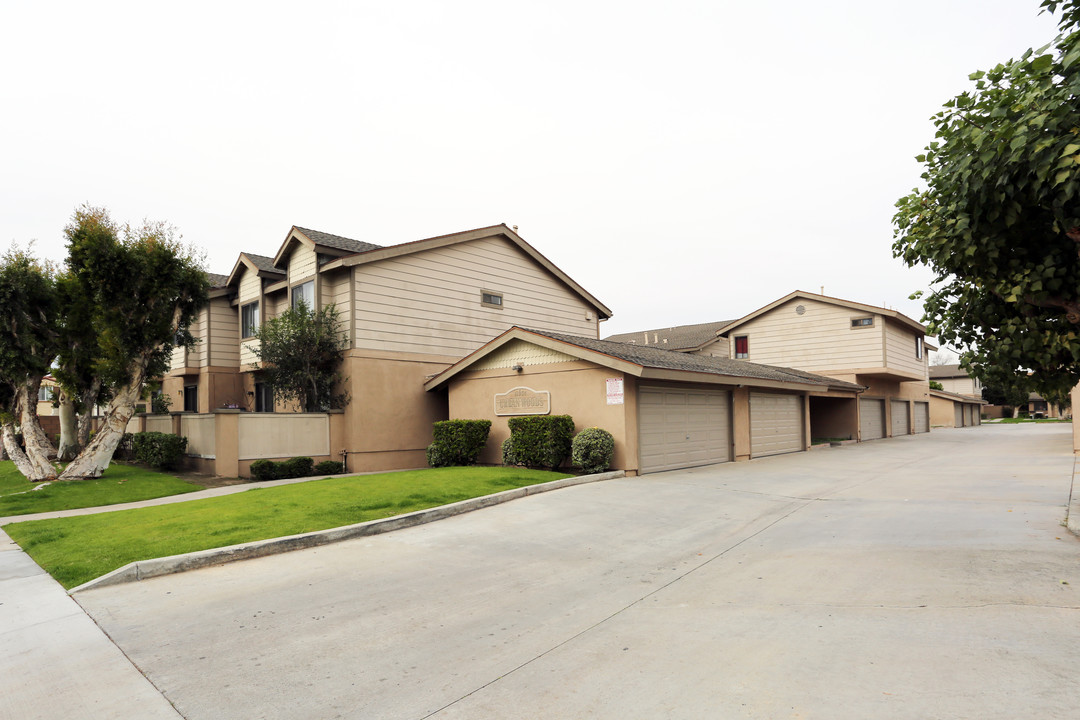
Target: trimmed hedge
329	467
593	450
457	442
291	468
541	441
160	450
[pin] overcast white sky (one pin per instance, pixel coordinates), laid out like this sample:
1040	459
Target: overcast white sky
683	161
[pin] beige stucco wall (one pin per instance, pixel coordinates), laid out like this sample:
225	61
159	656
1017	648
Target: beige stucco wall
578	389
273	435
390	416
942	412
199	430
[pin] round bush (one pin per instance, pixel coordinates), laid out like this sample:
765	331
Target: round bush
593	450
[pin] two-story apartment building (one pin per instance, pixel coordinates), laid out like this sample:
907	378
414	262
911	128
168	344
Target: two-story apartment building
409	311
880	349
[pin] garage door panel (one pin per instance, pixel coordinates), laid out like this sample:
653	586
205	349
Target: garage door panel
776	424
871	418
683	428
899	410
922	417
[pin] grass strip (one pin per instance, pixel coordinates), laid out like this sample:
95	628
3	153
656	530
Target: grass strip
75	550
119	484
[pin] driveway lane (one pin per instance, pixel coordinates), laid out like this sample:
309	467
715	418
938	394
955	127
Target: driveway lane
874	580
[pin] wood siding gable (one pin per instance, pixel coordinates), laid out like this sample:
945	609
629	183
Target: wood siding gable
429	302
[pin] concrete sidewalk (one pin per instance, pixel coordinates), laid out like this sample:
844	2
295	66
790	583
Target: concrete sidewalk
56	662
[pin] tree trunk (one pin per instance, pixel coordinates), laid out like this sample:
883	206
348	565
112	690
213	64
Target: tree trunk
11	447
39	450
95	457
88	401
69	440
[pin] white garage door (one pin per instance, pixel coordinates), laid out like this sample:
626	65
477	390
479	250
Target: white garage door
922	417
683	428
899	409
871	419
776	424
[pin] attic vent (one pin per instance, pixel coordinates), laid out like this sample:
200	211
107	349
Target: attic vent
800	309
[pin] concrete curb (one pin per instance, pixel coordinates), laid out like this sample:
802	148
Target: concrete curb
1072	513
145	569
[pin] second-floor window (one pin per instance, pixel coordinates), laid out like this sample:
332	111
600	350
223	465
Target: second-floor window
304	293
249	320
44	393
862	322
919	347
742	346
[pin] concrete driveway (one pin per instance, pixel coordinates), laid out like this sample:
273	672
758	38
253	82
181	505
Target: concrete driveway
922	577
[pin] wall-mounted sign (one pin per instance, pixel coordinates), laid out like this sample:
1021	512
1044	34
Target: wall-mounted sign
523	401
614	391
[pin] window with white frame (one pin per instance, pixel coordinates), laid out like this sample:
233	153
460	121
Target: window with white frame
249	320
862	322
491	299
304	293
919	347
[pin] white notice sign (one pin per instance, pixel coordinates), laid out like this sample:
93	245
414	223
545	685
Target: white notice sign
614	391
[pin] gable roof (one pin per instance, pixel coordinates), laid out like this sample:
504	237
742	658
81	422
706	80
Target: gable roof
859	307
217	280
262	265
320	241
680	337
377	253
653	362
947	371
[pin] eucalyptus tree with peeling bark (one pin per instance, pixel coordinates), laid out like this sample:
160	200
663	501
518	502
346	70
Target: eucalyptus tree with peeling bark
999	219
143	291
28	342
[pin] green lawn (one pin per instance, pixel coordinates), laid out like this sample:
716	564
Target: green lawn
119	484
78	549
1013	421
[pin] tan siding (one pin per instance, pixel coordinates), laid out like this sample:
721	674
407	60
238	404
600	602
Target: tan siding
335	290
176	361
198	329
900	350
430	302
720	348
225	331
250	291
301	263
820	339
960	386
519	352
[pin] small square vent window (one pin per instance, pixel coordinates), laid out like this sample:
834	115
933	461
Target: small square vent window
862	322
490	299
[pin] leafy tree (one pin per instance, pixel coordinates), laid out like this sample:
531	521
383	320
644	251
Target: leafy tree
28	342
143	288
935	385
300	352
1013	394
999	219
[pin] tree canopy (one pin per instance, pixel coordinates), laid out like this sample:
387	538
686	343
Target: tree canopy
299	356
999	218
110	317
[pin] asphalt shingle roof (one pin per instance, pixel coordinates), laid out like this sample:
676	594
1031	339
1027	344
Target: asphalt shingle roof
336	241
264	263
680	337
655	357
216	280
947	371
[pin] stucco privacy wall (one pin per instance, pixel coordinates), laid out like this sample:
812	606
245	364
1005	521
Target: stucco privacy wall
266	435
429	302
577	388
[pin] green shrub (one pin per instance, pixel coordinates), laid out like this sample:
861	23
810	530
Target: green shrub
509	457
593	450
160	450
541	441
329	467
297	467
126	449
457	442
265	470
